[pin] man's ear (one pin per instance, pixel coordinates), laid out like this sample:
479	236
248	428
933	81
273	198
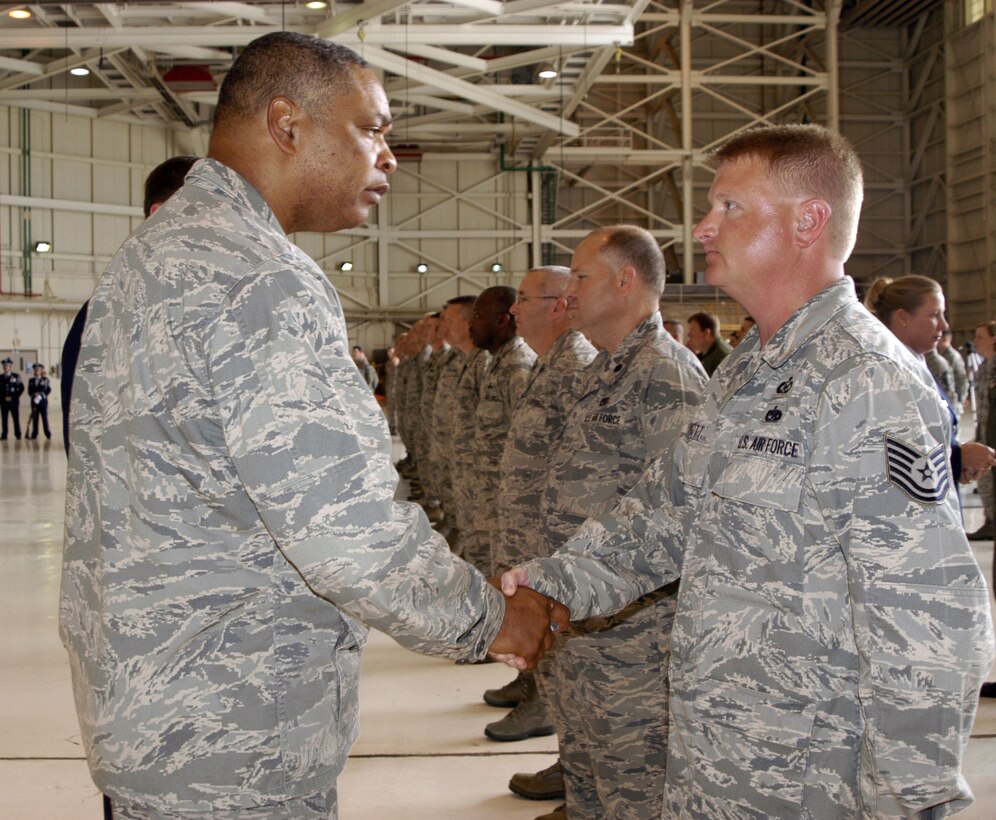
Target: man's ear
282	123
813	218
626	278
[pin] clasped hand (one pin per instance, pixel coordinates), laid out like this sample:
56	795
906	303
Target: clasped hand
531	620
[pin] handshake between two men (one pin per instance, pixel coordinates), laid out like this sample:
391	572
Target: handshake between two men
531	620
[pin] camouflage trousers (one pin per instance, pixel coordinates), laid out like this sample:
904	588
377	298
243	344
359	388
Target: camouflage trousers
320	806
605	686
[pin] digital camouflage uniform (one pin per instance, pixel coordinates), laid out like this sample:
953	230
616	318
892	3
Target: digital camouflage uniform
406	373
533	438
954	358
230	478
413	399
501	388
942	372
430	476
468	393
606	684
833	626
391	371
429	373
441	448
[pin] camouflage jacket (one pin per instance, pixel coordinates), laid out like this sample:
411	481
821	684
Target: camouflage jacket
630	411
230	518
443	419
533	438
468	394
833	626
501	388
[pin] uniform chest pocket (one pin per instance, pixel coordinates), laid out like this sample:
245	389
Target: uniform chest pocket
762	482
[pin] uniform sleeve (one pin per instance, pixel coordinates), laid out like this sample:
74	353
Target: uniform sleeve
611	561
518	380
309	446
638	546
922	626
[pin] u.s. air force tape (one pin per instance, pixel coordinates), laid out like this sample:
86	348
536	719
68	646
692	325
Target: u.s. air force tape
924	477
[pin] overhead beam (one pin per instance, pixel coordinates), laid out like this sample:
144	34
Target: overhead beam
23	66
468	91
370	10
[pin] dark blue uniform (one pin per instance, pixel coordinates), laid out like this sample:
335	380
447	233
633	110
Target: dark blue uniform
38	389
11	388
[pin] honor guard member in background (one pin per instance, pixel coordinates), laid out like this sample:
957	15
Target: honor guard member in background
162	182
605	684
492	327
705	339
472	545
456	331
833	625
10	397
366	369
542	320
231	525
38	389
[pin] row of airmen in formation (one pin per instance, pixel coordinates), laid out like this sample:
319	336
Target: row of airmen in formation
519	427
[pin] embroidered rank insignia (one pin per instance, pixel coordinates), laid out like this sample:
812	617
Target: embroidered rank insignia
923	477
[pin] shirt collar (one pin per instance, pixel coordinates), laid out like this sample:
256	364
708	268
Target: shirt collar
223	181
805	323
617	362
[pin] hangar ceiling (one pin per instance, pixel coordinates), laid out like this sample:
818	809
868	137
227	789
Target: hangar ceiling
642	89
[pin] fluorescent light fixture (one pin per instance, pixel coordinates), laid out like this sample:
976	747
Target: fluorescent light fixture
421	267
315	4
496	267
546	71
42	247
345	265
79	71
19	14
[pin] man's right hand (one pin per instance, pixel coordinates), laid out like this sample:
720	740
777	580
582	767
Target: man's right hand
531	619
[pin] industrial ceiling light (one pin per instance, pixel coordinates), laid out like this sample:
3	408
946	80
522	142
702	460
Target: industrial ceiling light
42	247
315	4
421	267
496	267
345	265
546	71
79	71
19	14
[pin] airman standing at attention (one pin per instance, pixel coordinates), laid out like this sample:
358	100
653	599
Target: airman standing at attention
833	625
605	684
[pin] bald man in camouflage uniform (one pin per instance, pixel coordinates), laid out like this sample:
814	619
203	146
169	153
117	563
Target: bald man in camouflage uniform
541	317
492	327
230	476
606	683
833	625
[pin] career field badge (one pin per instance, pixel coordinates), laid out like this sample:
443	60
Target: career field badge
923	477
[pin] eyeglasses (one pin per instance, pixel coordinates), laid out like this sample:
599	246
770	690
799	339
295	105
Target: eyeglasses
528	298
